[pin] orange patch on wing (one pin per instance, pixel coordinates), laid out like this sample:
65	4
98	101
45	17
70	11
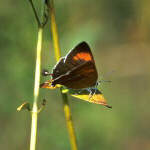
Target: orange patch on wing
82	55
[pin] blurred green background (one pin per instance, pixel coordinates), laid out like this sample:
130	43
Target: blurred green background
118	32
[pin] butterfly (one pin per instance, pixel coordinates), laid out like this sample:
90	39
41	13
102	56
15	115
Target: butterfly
77	69
77	72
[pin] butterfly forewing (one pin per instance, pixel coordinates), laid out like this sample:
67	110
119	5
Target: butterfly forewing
78	55
80	77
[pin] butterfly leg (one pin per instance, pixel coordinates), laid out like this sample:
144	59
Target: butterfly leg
92	92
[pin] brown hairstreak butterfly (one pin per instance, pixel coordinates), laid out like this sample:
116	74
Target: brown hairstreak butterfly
77	72
77	69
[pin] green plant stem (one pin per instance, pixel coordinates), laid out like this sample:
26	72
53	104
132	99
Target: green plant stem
34	112
66	106
54	31
69	121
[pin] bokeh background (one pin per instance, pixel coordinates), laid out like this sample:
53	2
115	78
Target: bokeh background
118	32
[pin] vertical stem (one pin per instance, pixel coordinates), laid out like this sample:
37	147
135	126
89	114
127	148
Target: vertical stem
66	106
69	122
36	91
54	31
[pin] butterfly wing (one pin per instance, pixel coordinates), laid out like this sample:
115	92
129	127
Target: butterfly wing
78	78
84	94
80	68
79	55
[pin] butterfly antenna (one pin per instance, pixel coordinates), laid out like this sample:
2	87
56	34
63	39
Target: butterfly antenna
108	74
101	81
104	81
46	73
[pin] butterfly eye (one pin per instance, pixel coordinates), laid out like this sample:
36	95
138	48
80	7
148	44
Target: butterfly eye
45	73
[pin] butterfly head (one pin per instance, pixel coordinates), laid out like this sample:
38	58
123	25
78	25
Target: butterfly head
45	72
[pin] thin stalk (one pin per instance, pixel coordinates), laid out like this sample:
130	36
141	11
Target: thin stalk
34	112
69	122
54	31
66	106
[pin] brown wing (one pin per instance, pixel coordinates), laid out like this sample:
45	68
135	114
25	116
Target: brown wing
79	55
77	70
83	76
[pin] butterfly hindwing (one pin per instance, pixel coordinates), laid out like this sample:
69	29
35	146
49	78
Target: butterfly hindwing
79	77
86	94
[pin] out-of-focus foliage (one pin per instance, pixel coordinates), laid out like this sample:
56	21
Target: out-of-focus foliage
118	32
